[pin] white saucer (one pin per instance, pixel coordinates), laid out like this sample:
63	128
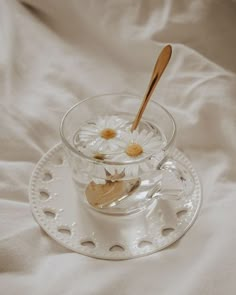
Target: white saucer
59	212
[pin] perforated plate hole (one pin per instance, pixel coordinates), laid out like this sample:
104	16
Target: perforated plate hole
64	230
144	244
58	160
49	213
89	244
167	231
181	213
117	248
47	176
43	195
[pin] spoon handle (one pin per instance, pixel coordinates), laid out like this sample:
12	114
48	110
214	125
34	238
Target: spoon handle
158	70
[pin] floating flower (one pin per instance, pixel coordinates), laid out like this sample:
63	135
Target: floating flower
102	135
137	146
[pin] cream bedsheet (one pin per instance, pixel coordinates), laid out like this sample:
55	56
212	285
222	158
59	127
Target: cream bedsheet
55	53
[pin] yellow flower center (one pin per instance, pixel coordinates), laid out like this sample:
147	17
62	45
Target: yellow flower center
108	133
134	150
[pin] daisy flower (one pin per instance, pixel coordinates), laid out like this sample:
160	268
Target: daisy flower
137	146
102	135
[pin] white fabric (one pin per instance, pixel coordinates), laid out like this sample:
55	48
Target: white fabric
54	53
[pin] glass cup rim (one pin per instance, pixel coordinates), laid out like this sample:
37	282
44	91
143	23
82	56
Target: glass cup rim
99	161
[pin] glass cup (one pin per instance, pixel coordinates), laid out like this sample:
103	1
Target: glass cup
116	171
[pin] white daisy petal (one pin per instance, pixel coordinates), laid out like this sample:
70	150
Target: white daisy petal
113	146
103	146
144	166
116	141
125	137
119	158
148	138
96	144
91	128
134	135
141	136
110	169
86	135
120	169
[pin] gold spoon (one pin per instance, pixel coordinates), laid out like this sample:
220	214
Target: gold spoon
158	70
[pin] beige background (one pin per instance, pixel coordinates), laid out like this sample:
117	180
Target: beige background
55	53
